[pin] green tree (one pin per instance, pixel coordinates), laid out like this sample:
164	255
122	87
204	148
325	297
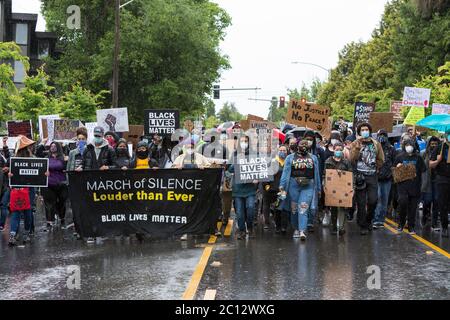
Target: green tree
229	112
169	55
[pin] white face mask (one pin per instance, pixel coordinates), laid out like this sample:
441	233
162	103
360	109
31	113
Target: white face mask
334	141
244	145
409	149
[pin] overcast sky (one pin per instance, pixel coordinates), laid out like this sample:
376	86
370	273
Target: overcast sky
267	35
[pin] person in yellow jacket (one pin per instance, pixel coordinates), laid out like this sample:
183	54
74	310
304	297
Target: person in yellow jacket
142	159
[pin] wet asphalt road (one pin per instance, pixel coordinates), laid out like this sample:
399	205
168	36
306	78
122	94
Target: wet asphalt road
269	267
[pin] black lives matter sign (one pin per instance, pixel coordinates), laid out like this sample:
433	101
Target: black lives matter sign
28	172
162	122
253	169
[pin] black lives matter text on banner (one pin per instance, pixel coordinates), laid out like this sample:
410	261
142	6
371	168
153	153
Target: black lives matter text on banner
252	168
362	112
161	122
28	172
161	203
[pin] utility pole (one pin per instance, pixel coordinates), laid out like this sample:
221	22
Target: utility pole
115	89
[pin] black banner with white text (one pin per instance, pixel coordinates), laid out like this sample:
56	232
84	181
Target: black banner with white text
160	203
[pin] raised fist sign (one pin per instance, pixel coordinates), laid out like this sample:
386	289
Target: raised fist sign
111	122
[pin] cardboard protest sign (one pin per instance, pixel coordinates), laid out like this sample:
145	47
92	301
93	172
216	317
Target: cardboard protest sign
416	97
249	169
338	188
382	120
133	136
403	173
396	108
307	115
64	129
115	120
326	131
43	125
28	172
414	115
441	108
162	203
161	122
362	112
254	118
16	128
90	126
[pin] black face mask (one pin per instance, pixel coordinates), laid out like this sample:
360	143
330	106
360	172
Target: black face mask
142	154
121	151
302	150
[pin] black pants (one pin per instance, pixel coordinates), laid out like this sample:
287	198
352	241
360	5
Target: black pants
407	205
444	202
366	200
269	197
55	201
281	219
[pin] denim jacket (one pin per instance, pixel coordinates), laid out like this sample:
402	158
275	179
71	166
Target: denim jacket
286	177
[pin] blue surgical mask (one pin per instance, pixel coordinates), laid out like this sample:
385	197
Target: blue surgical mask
81	145
282	155
98	140
365	134
339	154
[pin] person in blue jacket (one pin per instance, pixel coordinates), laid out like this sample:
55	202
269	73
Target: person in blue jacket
300	182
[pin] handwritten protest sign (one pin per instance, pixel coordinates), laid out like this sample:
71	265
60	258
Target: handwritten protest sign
414	115
381	120
65	129
161	122
362	112
416	97
404	173
133	136
396	109
16	128
441	108
308	115
115	120
249	169
338	188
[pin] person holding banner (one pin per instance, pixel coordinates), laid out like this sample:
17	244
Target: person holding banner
99	155
301	182
122	154
190	158
112	139
243	193
142	158
21	198
366	155
76	155
338	162
56	194
441	162
409	190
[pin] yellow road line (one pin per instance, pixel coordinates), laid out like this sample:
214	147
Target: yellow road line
390	228
228	229
212	239
219	225
210	295
192	287
425	242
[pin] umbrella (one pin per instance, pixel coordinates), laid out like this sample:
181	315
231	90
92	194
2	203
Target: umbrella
438	122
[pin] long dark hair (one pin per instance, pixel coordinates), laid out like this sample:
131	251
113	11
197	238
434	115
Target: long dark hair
59	151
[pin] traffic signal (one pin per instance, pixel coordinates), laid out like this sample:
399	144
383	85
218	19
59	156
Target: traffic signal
282	100
216	92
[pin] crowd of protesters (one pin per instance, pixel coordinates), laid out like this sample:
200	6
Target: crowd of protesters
293	200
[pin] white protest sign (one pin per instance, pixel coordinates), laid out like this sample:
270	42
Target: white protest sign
115	120
11	143
252	169
416	97
90	126
41	128
441	108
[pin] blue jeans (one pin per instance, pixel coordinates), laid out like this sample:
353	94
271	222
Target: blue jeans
245	211
384	188
301	198
4	207
15	221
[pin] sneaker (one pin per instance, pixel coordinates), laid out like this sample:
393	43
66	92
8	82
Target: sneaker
90	240
411	231
240	235
266	226
218	233
48	227
12	240
400	228
184	237
435	228
302	236
296	234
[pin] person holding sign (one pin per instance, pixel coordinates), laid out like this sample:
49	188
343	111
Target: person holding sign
441	162
21	198
301	181
243	193
366	155
337	162
56	194
99	155
409	190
